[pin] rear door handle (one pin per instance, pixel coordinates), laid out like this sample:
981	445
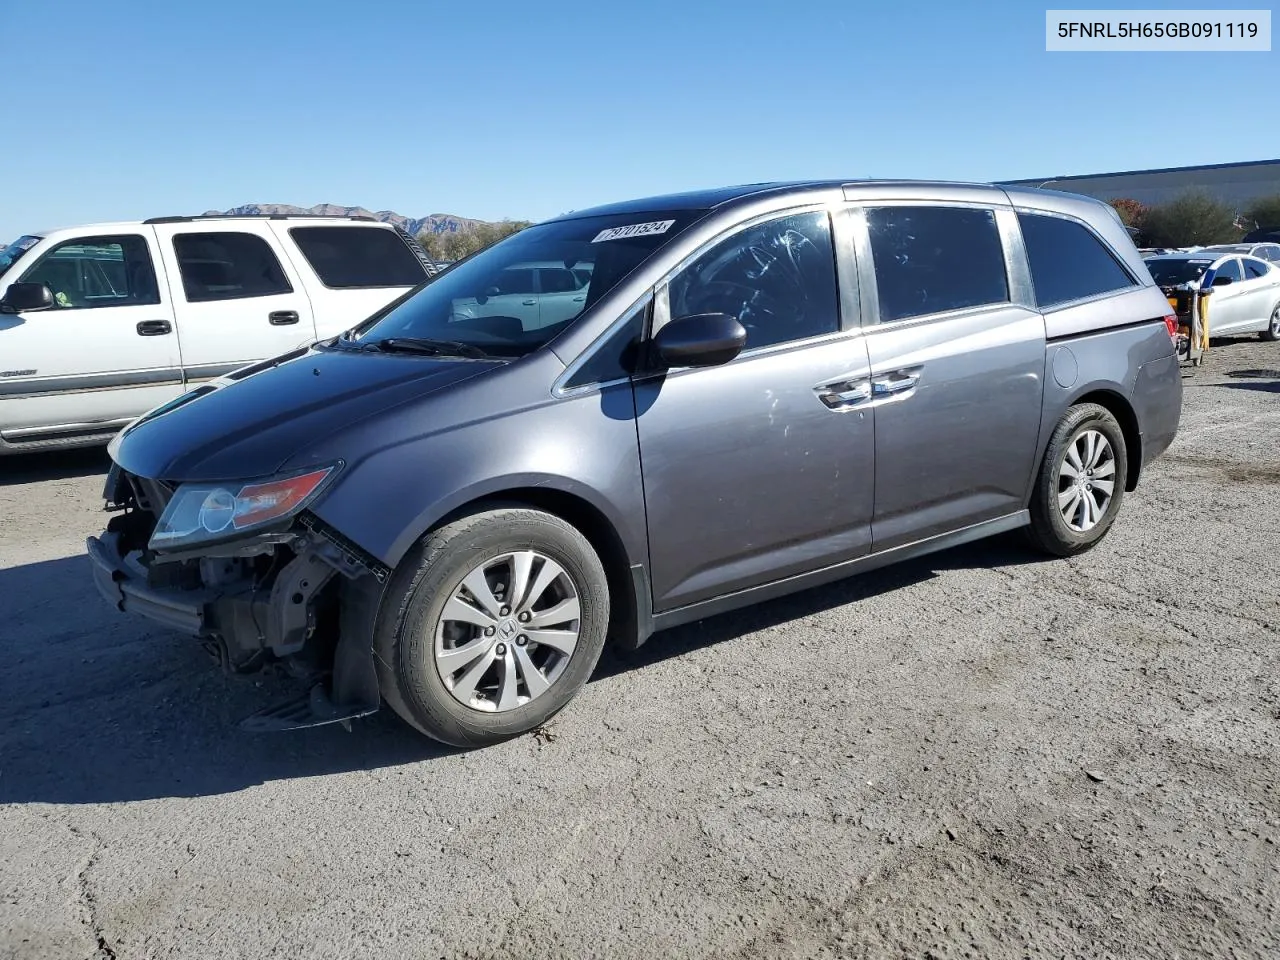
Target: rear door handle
282	318
528	303
154	328
894	383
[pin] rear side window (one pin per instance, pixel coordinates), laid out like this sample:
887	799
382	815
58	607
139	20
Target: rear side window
348	257
1254	268
558	281
98	272
228	266
932	259
1068	262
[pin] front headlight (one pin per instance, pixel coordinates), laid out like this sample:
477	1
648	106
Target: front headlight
205	512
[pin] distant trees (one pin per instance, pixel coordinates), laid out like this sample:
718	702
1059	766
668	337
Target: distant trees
456	244
1264	212
1193	219
1132	213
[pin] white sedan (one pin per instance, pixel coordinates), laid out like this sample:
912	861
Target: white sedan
1246	290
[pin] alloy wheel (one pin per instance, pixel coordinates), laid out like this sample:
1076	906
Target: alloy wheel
1086	480
508	631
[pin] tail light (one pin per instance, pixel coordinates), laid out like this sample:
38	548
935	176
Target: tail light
1171	324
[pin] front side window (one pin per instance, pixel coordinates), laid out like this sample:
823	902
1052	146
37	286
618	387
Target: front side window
492	303
1229	269
1068	262
777	278
88	272
9	255
228	266
351	257
933	259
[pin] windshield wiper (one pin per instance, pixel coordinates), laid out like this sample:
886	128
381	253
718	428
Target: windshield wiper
429	347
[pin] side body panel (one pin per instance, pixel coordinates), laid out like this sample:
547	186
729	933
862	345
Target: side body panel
71	372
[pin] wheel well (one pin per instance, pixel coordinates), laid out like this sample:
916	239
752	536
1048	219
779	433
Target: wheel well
600	533
1128	420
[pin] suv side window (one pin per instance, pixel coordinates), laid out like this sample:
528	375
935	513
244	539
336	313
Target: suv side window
514	281
777	278
1270	252
1254	268
90	272
1068	262
557	280
228	266
932	259
352	257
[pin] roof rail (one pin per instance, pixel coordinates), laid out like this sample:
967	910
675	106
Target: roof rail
264	216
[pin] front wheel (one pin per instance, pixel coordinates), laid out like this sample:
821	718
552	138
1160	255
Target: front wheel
1273	325
1081	482
491	625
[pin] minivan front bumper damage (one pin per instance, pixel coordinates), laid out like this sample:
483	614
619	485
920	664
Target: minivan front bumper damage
312	614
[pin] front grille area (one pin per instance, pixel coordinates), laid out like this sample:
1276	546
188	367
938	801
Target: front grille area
150	495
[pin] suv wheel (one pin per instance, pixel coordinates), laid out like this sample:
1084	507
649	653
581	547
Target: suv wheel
1081	482
491	625
1273	325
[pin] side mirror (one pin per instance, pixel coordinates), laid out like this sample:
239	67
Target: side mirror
484	295
1221	281
26	298
700	340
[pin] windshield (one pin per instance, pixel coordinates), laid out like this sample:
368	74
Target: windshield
515	296
10	254
1170	273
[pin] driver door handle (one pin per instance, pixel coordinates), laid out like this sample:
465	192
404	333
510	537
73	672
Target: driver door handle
154	328
281	318
528	303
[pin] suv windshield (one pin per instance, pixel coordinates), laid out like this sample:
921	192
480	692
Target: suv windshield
515	296
1170	273
10	254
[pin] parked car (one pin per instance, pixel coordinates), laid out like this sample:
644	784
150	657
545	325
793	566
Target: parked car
766	388
1263	251
100	323
1246	290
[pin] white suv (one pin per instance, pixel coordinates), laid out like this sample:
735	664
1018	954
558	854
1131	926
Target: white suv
100	323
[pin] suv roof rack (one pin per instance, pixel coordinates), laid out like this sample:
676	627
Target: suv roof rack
264	216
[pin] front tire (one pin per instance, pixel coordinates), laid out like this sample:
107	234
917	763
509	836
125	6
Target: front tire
491	625
1272	332
1081	483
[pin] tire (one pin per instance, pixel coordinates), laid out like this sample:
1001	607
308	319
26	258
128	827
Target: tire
1272	332
502	681
1050	529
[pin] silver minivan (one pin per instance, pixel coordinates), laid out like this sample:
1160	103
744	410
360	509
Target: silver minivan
763	388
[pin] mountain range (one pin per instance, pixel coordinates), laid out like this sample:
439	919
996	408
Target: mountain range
432	223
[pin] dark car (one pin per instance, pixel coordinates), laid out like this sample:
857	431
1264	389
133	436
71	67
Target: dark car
764	388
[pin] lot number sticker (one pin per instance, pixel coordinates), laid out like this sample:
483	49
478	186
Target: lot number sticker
634	230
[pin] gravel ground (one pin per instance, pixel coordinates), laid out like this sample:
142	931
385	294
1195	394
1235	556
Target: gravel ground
981	754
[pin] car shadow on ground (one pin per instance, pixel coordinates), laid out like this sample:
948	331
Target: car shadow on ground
97	707
60	465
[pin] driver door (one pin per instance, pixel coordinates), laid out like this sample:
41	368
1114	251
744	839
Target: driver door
760	468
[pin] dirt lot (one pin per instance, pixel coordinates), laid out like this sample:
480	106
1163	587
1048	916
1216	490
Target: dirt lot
978	755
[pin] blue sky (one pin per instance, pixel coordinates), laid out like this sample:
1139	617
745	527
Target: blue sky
516	109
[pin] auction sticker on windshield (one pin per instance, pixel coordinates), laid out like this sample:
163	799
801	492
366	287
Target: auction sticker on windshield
634	230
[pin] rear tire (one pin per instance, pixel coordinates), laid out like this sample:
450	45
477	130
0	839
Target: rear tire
1081	483
1272	332
491	624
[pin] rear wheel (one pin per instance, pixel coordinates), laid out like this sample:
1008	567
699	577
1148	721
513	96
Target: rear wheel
1081	482
1273	325
491	626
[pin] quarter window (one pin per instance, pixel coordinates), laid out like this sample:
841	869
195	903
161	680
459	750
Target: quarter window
91	272
932	259
347	257
777	278
228	266
1068	262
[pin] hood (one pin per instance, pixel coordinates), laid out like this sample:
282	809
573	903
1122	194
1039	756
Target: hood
248	424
